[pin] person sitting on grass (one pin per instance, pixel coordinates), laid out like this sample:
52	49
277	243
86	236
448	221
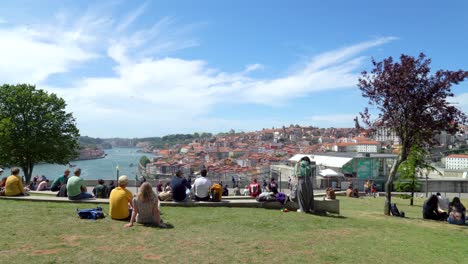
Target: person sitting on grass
457	212
76	187
100	190
61	180
3	182
432	211
145	208
14	184
179	186
120	201
201	187
43	186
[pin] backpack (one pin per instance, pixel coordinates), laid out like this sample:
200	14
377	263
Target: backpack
91	214
395	212
281	197
216	193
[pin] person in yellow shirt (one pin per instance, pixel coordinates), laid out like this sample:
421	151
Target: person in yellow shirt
120	201
14	184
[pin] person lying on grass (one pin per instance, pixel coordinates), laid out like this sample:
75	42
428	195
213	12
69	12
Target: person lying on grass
145	207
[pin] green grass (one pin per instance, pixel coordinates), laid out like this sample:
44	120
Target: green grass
39	232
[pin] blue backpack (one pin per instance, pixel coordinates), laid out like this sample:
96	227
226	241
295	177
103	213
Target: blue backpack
91	214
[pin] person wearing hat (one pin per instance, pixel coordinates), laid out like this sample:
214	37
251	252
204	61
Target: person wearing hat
76	188
61	180
120	201
179	186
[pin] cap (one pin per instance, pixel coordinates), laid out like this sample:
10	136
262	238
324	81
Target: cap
123	180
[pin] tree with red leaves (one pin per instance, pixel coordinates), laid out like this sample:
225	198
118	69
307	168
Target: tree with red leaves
413	102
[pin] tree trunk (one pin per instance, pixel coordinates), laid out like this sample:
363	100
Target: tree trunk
427	186
388	185
412	197
28	169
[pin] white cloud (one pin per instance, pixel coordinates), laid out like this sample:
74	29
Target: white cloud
149	89
461	101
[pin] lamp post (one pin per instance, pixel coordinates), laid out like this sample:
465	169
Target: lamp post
117	170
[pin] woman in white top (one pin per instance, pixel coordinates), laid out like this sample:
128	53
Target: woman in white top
145	207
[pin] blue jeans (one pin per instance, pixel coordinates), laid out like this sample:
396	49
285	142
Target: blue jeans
81	196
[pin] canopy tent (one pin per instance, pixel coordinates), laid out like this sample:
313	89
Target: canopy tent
330	173
324	160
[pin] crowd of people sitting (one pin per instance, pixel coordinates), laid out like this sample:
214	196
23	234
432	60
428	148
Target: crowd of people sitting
440	208
145	207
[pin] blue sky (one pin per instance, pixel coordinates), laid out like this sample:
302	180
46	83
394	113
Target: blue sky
150	68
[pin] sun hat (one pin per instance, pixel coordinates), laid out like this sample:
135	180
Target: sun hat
123	180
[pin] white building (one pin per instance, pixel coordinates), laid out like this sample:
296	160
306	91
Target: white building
383	134
456	162
368	147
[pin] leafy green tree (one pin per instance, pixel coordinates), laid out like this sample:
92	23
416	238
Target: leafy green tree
144	160
34	127
408	170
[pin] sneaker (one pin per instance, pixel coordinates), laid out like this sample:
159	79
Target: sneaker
299	211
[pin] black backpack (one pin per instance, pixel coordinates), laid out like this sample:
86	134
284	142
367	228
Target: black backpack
395	212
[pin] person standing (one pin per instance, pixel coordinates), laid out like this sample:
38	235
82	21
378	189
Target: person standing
305	191
61	180
14	184
120	201
76	188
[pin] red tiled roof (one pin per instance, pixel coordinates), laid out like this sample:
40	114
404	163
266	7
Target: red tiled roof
463	156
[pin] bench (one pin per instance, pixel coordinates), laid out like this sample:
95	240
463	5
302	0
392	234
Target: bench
330	206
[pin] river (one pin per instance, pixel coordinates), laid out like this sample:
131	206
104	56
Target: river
104	168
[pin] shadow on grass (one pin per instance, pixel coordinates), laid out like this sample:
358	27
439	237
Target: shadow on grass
324	214
168	226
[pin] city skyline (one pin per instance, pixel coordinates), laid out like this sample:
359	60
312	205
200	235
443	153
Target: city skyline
143	69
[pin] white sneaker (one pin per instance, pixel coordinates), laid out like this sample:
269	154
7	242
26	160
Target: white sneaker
299	211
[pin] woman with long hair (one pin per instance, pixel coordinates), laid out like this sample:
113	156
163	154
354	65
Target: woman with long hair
431	209
145	207
305	191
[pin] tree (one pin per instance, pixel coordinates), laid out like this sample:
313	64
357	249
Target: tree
144	160
34	127
411	101
408	170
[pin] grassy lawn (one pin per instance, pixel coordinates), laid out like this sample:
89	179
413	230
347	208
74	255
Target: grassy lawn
39	232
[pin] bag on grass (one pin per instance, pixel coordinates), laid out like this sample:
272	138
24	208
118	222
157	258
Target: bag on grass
281	197
94	213
395	212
